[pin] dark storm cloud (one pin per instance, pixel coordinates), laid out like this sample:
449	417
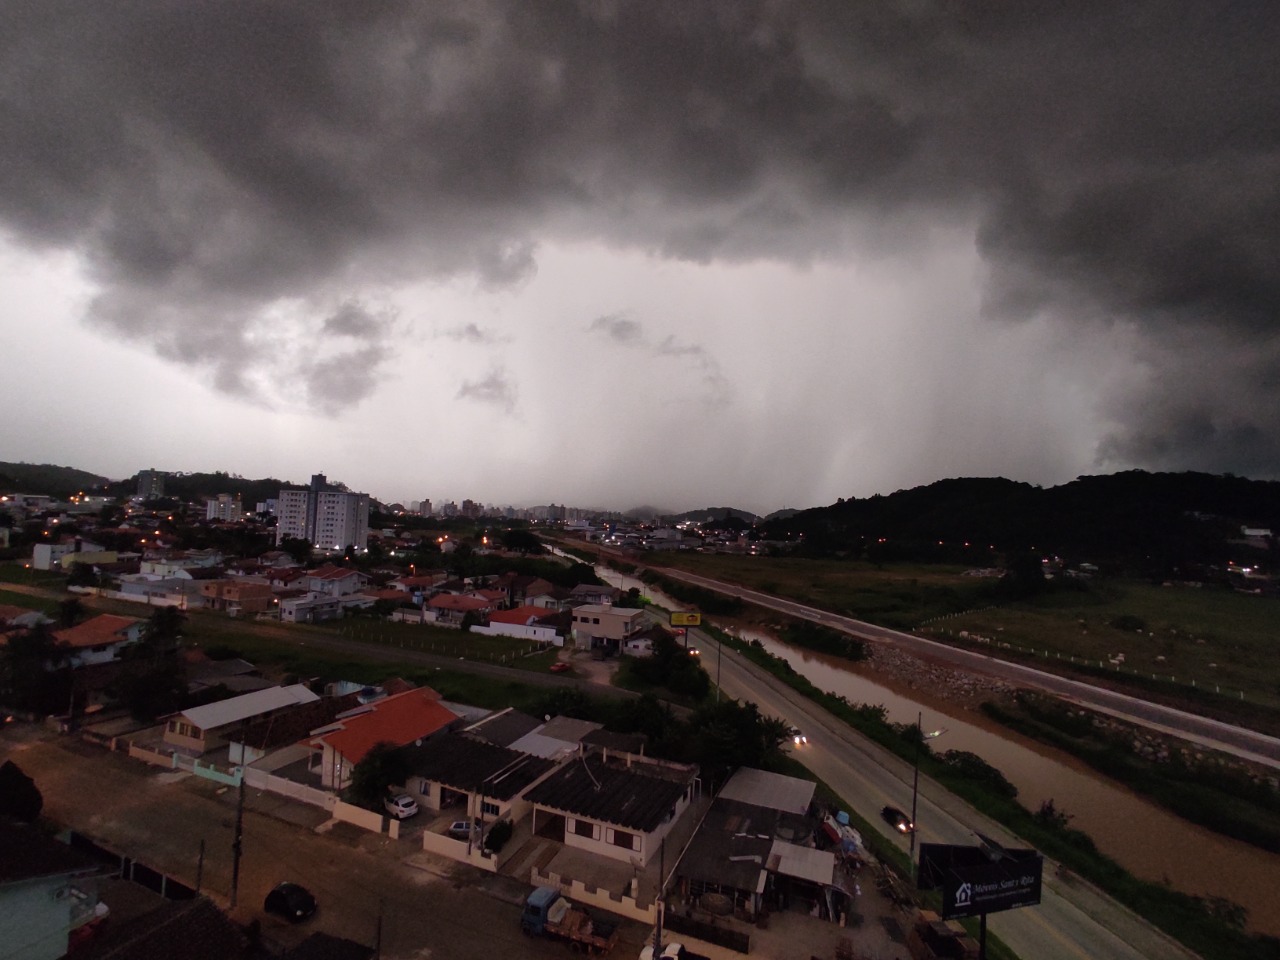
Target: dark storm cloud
496	389
210	160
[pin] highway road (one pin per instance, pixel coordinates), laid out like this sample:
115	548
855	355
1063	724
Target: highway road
1074	921
1214	734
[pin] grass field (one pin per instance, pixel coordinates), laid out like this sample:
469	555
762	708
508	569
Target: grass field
1194	640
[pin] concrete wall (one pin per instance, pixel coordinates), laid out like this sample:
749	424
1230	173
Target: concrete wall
590	896
361	817
533	632
261	780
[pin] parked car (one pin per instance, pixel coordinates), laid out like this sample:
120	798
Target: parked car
461	829
561	666
401	807
897	819
291	901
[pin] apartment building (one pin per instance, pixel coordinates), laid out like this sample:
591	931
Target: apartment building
331	519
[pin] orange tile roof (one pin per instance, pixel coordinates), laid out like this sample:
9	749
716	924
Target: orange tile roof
521	615
103	629
398	719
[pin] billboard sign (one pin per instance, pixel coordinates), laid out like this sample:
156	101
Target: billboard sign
974	883
686	619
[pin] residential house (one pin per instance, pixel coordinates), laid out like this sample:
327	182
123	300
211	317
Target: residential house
526	623
398	720
557	739
46	889
521	587
335	581
557	598
485	779
753	846
262	735
238	597
504	727
612	807
100	639
198	730
594	593
316	607
604	626
450	609
235	675
497	599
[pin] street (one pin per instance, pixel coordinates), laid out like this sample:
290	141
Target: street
430	907
1073	920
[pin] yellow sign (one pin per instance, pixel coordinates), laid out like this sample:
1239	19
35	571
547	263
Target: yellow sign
686	619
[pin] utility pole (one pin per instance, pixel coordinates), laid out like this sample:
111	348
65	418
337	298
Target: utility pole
237	843
200	866
915	781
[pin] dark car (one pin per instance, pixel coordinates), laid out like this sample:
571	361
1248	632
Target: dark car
897	819
291	901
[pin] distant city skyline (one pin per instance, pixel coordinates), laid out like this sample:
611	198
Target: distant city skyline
754	254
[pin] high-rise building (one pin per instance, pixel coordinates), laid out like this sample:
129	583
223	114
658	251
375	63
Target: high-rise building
329	518
424	508
226	507
151	484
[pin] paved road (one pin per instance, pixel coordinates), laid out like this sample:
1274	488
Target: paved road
430	907
1074	921
1211	733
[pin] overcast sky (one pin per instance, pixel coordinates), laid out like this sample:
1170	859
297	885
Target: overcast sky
612	254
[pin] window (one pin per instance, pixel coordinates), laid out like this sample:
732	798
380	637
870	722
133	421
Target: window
621	838
595	619
585	828
489	808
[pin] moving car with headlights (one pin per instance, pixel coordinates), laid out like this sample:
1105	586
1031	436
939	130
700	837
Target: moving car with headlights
898	820
797	736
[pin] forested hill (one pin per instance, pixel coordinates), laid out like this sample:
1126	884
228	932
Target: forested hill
194	487
1165	516
47	478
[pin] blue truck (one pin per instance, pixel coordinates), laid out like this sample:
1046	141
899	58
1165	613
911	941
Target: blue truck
548	914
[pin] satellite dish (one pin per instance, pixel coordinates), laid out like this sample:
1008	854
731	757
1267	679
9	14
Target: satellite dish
418	742
546	717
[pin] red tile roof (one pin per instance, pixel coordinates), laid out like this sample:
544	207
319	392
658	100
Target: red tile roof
522	615
397	719
103	629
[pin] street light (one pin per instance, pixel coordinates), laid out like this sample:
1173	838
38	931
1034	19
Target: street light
921	736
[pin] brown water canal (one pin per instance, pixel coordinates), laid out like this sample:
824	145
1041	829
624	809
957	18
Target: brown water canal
1146	840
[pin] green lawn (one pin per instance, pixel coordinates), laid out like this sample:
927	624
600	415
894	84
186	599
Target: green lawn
19	573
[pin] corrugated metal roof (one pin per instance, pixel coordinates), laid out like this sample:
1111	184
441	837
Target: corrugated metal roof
214	715
775	791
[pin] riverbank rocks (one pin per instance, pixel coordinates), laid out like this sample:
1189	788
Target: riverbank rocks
939	680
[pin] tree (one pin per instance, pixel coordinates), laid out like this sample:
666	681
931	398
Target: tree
522	541
164	629
20	798
383	766
30	678
153	692
70	610
297	548
82	575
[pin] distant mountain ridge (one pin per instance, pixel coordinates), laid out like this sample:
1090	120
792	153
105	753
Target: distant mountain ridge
712	513
1166	516
47	478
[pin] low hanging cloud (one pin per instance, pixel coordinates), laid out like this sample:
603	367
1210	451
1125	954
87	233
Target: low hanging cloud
496	389
623	330
1114	161
471	333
